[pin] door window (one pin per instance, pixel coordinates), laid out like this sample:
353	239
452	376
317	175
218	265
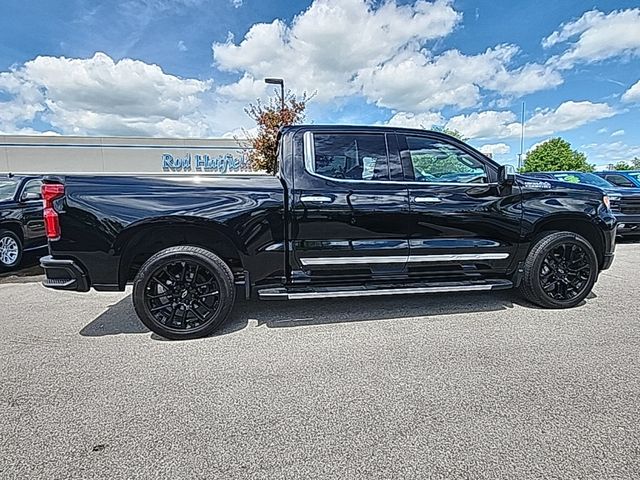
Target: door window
436	161
619	180
34	187
351	157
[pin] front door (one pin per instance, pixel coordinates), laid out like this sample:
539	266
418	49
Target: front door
462	222
349	216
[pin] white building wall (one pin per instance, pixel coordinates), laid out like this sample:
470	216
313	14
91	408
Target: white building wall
58	154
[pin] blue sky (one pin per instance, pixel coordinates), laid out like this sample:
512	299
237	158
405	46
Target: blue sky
188	67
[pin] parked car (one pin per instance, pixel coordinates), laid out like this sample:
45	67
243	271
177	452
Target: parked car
21	220
622	178
625	202
353	211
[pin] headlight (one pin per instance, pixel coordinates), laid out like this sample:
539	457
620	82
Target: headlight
606	201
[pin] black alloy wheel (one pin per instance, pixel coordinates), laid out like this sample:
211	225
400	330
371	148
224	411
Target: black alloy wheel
565	271
560	270
184	292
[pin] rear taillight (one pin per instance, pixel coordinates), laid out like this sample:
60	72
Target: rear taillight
51	192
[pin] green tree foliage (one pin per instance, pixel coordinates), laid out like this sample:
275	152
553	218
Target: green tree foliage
555	155
451	132
630	165
270	117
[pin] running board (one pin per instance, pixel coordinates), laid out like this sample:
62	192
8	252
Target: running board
297	293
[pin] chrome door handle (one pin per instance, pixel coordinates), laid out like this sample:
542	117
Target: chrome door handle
315	199
427	199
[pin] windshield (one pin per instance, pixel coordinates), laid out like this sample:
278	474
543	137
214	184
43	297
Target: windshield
586	178
7	188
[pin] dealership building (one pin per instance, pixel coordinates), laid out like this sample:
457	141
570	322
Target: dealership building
67	154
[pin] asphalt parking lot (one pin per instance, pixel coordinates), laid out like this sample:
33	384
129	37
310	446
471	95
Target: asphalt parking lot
466	386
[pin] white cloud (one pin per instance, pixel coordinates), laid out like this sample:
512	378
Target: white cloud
495	148
247	89
416	120
611	152
356	47
599	36
617	133
237	3
545	122
326	46
633	94
567	116
487	124
603	130
100	96
416	81
181	46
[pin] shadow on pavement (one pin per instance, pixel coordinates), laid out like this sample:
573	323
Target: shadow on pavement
29	268
121	318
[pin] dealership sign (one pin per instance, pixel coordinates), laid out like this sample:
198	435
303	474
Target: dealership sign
226	163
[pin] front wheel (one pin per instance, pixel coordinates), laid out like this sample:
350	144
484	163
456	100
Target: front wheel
560	271
183	293
10	250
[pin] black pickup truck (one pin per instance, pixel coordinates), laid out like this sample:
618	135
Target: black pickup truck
21	224
353	211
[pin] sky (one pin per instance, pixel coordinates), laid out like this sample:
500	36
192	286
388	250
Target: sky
188	68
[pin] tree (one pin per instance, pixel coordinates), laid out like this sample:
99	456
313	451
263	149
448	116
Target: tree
555	155
451	132
630	165
270	117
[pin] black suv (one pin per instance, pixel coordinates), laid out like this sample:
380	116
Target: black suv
21	218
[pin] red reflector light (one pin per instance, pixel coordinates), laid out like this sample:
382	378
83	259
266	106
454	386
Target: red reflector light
51	192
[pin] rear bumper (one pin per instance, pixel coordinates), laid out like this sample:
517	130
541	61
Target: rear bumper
64	275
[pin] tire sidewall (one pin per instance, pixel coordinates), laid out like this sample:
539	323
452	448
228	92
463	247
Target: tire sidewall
174	254
10	234
537	266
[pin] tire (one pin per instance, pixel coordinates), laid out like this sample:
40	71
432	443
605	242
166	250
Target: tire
182	293
560	264
10	250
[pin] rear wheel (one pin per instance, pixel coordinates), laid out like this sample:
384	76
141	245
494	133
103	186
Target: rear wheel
184	292
10	250
559	271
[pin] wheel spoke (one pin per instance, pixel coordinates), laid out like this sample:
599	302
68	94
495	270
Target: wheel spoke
565	271
174	295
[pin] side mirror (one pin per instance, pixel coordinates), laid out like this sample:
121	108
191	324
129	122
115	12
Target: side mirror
29	196
506	175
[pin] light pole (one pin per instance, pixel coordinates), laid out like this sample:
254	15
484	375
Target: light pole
277	81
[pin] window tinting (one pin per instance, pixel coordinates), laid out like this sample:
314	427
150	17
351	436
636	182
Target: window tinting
619	180
7	188
579	177
351	157
436	161
33	186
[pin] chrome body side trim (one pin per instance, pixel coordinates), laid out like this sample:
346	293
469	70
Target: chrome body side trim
374	292
315	198
352	260
457	257
400	259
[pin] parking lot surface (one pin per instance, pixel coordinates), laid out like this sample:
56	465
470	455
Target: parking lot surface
456	386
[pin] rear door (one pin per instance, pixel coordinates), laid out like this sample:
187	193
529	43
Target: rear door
350	207
461	220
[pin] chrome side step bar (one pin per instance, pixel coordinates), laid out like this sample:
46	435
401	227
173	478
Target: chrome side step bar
365	291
